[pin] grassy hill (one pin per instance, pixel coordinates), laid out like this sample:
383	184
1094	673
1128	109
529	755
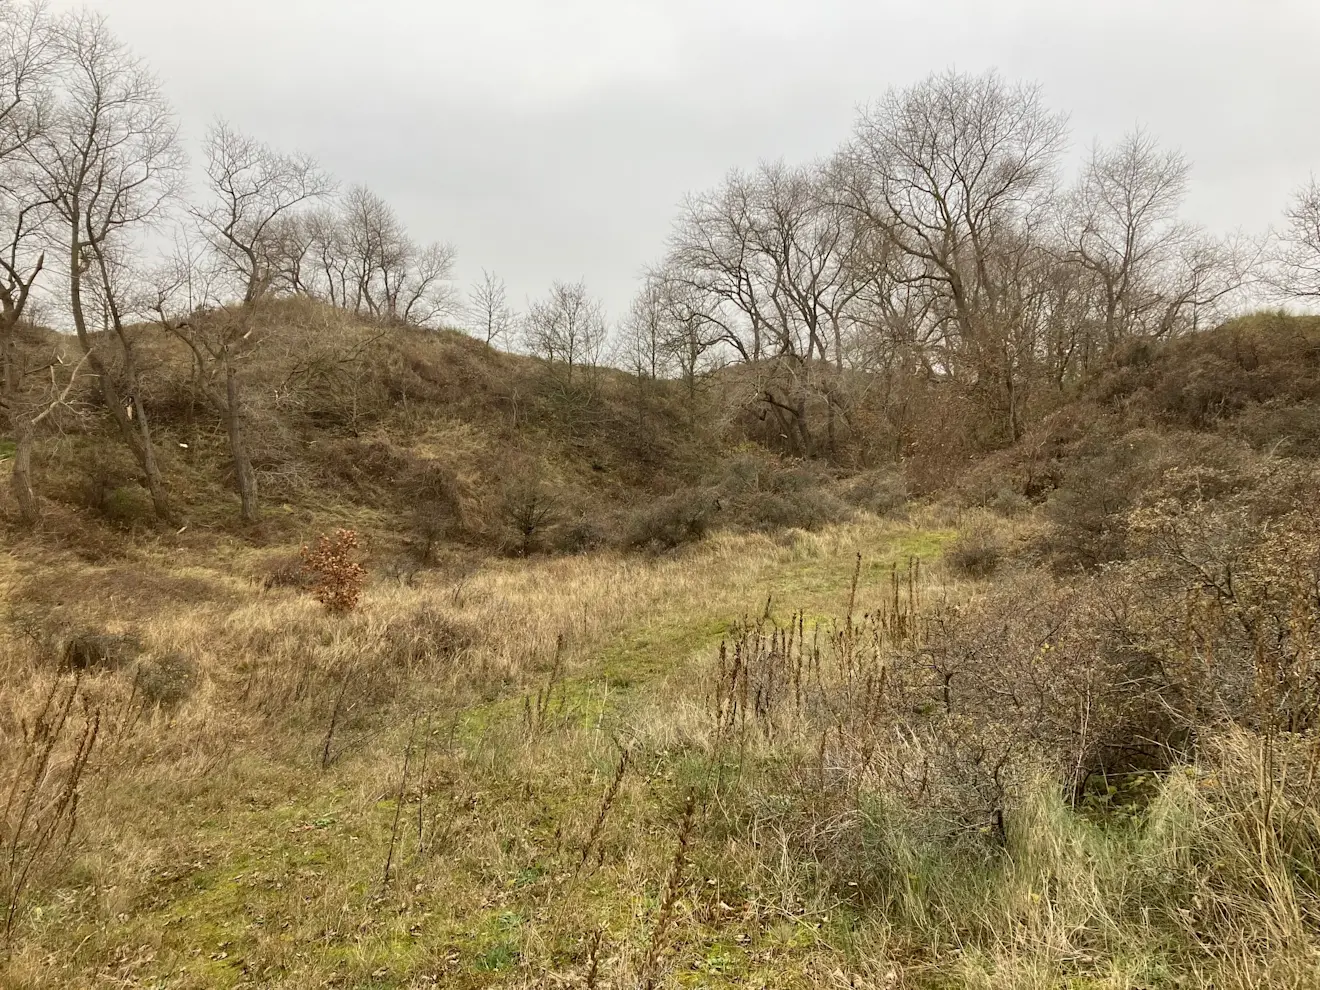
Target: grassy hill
1053	727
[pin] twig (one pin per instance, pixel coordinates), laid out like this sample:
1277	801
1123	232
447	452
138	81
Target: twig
398	806
421	787
334	720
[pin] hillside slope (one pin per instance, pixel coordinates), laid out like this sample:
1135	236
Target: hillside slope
1056	729
358	425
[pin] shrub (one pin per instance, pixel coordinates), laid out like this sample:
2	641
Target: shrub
767	511
437	514
336	575
880	492
402	568
976	553
1223	600
427	637
582	535
166	680
1282	430
670	522
287	571
1109	476
100	651
106	483
763	493
529	510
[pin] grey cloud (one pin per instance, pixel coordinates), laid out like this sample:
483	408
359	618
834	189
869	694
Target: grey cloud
552	140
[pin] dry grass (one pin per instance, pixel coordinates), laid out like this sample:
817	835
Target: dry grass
188	797
658	818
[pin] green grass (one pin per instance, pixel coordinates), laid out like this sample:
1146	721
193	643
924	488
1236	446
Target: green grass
269	870
306	833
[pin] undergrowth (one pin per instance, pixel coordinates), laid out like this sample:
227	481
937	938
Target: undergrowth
830	759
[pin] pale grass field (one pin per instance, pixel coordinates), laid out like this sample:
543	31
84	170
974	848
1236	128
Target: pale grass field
226	842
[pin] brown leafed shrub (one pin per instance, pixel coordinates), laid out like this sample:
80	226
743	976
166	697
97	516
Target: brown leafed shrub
337	575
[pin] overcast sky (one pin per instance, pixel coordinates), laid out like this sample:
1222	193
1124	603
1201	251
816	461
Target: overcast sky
553	138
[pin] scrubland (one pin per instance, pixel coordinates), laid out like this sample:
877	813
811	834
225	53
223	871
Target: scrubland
1051	725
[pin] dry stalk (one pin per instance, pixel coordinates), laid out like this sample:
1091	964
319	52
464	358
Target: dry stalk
669	900
607	802
421	788
41	803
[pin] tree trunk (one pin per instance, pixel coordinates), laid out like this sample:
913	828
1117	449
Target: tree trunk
21	480
246	477
137	437
800	421
145	452
832	440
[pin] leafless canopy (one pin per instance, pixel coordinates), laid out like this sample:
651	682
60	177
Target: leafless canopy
255	191
488	311
1299	262
941	241
567	327
108	162
357	255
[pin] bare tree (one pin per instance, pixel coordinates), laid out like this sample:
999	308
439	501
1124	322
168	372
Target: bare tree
1122	228
567	327
672	332
769	260
391	278
256	240
422	293
375	241
642	333
639	346
955	171
294	270
328	266
109	163
26	59
254	189
185	301
712	255
1298	264
488	309
1210	277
